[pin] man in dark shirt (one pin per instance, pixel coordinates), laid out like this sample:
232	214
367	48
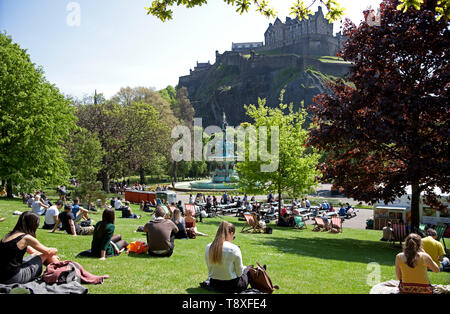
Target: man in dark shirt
160	235
67	219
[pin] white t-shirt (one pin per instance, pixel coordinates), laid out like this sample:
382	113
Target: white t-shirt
51	212
118	204
231	266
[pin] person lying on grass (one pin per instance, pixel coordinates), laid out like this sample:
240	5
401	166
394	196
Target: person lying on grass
22	239
67	219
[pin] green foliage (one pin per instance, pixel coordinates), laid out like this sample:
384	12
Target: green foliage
35	120
85	155
90	192
296	170
299	9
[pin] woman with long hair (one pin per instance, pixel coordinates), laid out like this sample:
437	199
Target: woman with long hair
178	220
411	266
104	244
191	223
226	273
22	239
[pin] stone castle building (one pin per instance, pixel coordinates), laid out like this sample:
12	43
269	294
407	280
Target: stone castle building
313	36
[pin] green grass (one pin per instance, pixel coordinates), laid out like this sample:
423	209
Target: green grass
298	261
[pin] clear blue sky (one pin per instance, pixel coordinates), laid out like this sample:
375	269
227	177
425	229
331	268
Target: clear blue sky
118	45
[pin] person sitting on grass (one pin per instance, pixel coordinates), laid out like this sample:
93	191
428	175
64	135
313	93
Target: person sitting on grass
179	221
78	211
104	243
411	266
38	207
67	220
435	249
226	272
388	232
160	235
128	213
191	225
51	216
22	239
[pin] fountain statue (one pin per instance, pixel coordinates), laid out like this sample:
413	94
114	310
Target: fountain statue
224	175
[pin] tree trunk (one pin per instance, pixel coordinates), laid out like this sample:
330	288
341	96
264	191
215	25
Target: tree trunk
9	189
415	207
142	175
279	201
174	171
106	181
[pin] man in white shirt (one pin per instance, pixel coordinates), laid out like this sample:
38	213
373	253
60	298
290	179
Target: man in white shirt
118	205
51	216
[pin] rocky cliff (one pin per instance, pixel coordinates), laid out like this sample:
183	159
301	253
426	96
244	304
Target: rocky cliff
237	79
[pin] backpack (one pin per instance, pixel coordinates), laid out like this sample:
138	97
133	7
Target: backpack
260	280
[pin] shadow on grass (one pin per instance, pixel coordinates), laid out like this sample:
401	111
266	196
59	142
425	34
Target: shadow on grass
200	290
340	249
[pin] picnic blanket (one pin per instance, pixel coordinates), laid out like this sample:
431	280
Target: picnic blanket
41	287
391	287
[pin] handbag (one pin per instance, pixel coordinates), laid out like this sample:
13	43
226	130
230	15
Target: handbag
260	280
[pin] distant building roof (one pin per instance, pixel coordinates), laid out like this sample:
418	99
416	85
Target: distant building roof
246	46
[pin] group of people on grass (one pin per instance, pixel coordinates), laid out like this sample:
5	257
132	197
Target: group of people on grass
226	272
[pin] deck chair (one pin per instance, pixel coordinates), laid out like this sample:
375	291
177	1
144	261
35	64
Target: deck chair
190	208
319	224
422	228
251	224
440	230
400	232
299	223
336	222
172	209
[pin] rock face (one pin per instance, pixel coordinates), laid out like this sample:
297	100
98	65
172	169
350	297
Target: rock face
236	79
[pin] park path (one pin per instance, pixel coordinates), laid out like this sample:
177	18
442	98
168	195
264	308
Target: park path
358	222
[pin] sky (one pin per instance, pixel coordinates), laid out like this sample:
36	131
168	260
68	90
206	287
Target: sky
115	44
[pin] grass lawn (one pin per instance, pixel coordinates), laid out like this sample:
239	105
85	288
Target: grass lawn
299	261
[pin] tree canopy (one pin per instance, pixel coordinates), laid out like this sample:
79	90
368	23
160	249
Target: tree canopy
296	170
299	8
391	129
35	120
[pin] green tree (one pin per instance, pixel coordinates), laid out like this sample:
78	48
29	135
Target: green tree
35	120
299	8
296	171
106	121
85	155
148	139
